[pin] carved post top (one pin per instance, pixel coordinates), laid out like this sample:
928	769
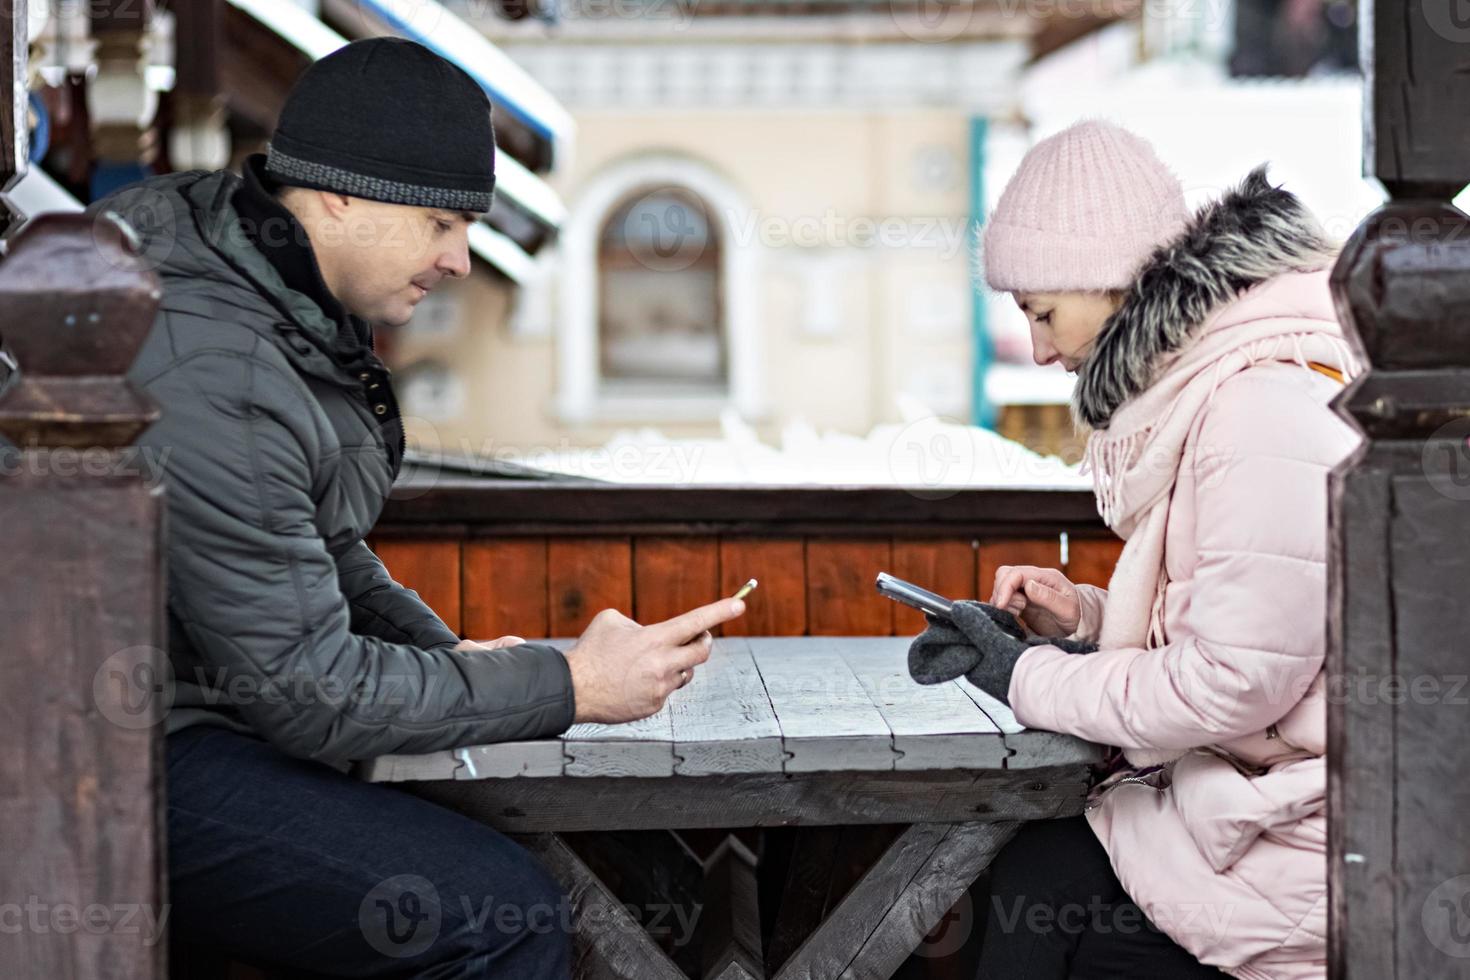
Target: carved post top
78	304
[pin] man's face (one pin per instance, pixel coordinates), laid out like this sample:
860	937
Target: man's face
380	259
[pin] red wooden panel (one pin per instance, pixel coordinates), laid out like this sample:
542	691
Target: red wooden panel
1091	560
431	568
778	605
996	552
505	590
840	598
946	567
585	576
673	575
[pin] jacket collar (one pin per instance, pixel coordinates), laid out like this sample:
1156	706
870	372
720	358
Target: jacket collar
1253	233
276	234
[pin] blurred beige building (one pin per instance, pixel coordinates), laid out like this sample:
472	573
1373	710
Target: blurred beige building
769	211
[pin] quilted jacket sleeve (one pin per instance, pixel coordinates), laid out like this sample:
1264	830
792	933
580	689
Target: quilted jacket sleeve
383	608
1253	637
260	598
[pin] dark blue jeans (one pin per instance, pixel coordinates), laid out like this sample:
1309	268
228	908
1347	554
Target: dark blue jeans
291	864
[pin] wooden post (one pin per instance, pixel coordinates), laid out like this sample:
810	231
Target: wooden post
81	615
1399	555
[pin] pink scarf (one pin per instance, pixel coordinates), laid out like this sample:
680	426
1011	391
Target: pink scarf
1135	461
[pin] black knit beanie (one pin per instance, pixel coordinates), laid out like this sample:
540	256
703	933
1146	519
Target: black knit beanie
388	119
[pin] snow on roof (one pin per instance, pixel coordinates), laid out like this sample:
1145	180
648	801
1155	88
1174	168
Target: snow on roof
934	456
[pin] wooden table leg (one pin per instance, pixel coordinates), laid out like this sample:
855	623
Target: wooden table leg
902	897
730	929
609	943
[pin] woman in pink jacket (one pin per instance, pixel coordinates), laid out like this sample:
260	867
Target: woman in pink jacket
1206	348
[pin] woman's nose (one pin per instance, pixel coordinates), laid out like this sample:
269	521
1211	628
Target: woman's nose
1041	350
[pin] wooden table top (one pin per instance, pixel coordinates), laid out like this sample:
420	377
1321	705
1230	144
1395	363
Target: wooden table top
776	705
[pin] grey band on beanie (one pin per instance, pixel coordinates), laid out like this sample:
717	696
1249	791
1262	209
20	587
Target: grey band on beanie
294	170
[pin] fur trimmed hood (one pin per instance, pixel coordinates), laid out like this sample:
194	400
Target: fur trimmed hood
1253	233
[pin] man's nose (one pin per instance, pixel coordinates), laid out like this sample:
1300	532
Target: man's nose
456	260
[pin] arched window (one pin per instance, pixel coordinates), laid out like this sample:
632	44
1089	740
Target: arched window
657	298
659	319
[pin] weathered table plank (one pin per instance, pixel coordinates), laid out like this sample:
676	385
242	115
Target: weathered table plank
1029	747
827	719
933	727
723	720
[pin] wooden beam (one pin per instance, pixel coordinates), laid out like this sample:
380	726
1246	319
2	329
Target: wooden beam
609	943
761	800
889	912
731	916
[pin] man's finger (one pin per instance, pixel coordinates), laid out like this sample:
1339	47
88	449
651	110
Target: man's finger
693	653
683	628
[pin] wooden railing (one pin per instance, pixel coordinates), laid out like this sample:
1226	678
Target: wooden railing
540	558
81	614
1399	561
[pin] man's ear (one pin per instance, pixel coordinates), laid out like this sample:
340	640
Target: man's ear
333	204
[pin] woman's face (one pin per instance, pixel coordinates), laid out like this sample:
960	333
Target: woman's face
1064	325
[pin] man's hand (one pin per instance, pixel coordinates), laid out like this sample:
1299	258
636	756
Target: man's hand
623	672
497	644
1044	599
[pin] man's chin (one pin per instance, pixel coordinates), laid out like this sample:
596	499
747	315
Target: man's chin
395	316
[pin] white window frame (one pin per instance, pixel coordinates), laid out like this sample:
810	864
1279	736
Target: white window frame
579	396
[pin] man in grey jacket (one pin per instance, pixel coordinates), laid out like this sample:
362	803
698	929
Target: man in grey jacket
293	652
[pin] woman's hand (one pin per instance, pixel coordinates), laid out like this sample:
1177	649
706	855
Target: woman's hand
1043	598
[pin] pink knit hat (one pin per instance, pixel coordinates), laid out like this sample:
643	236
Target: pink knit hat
1083	212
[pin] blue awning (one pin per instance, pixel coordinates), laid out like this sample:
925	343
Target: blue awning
514	91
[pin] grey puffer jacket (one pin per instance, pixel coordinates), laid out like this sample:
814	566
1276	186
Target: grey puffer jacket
277	460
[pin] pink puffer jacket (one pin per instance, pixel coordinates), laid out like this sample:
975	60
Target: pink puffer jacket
1229	857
